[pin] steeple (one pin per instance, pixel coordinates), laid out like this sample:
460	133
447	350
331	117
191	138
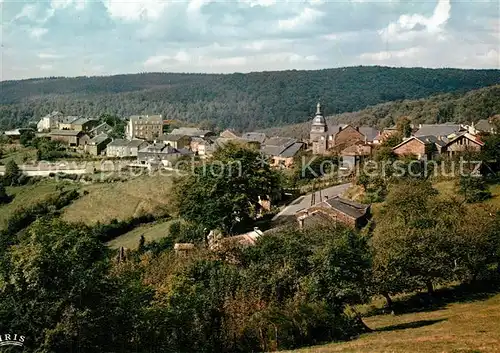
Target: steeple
318	109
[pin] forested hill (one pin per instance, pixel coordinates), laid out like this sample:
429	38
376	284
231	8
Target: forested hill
241	101
451	107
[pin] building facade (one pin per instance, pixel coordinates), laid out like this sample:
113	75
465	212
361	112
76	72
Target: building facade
144	127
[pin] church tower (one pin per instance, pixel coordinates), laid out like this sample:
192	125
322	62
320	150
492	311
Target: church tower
319	132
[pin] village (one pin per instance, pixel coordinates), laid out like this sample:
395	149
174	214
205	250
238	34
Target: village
146	145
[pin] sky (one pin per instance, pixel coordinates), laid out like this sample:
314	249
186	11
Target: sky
105	37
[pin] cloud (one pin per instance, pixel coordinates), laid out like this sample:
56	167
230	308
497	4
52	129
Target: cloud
38	32
135	10
49	56
409	26
45	67
304	18
123	36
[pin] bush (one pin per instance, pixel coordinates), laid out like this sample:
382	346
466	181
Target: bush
474	189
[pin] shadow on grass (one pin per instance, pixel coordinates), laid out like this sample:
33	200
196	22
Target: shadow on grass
422	302
406	325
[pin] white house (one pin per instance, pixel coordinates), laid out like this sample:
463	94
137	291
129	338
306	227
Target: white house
49	122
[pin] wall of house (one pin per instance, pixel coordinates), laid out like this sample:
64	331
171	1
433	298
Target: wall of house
277	161
320	146
412	147
463	144
348	136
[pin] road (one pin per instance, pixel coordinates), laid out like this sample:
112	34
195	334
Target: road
305	200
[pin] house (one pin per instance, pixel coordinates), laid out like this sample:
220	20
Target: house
70	137
256	137
124	148
65	122
448	130
49	122
176	141
144	127
183	249
217	241
96	145
462	143
336	209
83	124
486	125
281	151
208	146
423	147
230	134
192	132
103	128
327	138
385	134
16	133
160	154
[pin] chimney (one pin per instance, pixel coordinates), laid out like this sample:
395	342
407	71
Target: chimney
301	223
357	128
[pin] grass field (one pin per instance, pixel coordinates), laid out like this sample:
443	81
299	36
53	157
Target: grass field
121	200
18	153
27	195
151	232
466	327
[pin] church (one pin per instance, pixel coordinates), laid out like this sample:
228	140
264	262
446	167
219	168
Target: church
334	139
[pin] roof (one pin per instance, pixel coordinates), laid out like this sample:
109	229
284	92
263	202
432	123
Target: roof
347	207
190	131
99	139
68	119
171	137
370	132
484	125
17	132
429	139
136	143
146	117
160	147
438	129
246	239
281	146
228	133
468	136
100	126
183	246
80	121
119	142
51	115
65	133
254	137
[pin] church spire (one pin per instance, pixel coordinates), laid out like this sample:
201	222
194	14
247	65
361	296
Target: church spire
318	109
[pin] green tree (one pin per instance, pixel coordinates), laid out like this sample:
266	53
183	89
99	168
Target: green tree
473	188
225	192
4	198
59	293
26	138
403	125
12	173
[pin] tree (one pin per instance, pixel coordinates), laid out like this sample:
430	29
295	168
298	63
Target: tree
12	173
411	242
59	292
225	192
403	125
473	188
4	198
26	138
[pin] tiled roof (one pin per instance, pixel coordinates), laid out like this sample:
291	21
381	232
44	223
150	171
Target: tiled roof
99	139
438	129
254	137
65	133
136	143
190	131
370	132
119	142
80	121
171	137
347	207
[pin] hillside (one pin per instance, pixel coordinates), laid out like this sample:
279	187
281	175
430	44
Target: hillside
471	106
240	101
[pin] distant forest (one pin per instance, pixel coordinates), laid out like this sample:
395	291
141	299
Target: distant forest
239	101
451	107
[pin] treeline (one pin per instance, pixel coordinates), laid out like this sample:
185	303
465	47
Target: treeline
460	108
240	101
